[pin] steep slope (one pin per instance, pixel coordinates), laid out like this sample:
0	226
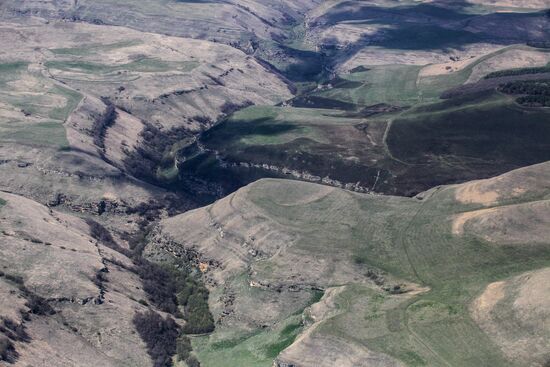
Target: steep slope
70	298
234	22
335	137
170	81
399	279
522	4
85	105
419	32
167	90
392	97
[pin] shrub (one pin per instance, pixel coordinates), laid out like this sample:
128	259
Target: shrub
203	120
192	361
534	101
535	93
532	87
14	331
183	348
14	278
103	236
7	350
159	285
153	153
519	71
100	278
159	334
38	305
11	331
194	297
230	107
102	123
199	321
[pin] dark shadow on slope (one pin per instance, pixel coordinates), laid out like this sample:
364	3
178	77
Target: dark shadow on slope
436	26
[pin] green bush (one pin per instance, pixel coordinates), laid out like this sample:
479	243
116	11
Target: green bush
192	361
183	348
532	87
159	334
534	101
7	350
520	71
197	314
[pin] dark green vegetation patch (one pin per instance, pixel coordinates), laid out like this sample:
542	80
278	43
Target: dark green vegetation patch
380	147
519	71
534	93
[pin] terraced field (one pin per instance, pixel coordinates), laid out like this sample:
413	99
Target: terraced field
34	108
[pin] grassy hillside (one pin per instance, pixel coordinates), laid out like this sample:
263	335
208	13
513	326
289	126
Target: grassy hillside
384	128
407	85
35	108
410	268
380	148
491	130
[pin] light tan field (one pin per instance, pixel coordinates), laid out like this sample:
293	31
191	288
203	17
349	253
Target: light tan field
515	58
514	223
532	182
525	4
439	60
515	313
526	223
461	219
448	67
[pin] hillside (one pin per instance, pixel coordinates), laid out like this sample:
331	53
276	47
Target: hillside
63	294
290	183
76	61
335	137
355	279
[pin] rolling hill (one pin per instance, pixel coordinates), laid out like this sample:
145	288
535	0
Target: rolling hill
438	279
290	183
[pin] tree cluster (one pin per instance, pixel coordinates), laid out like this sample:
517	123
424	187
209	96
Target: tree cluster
533	93
103	122
519	71
159	334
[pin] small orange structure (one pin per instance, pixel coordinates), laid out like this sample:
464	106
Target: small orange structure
203	267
